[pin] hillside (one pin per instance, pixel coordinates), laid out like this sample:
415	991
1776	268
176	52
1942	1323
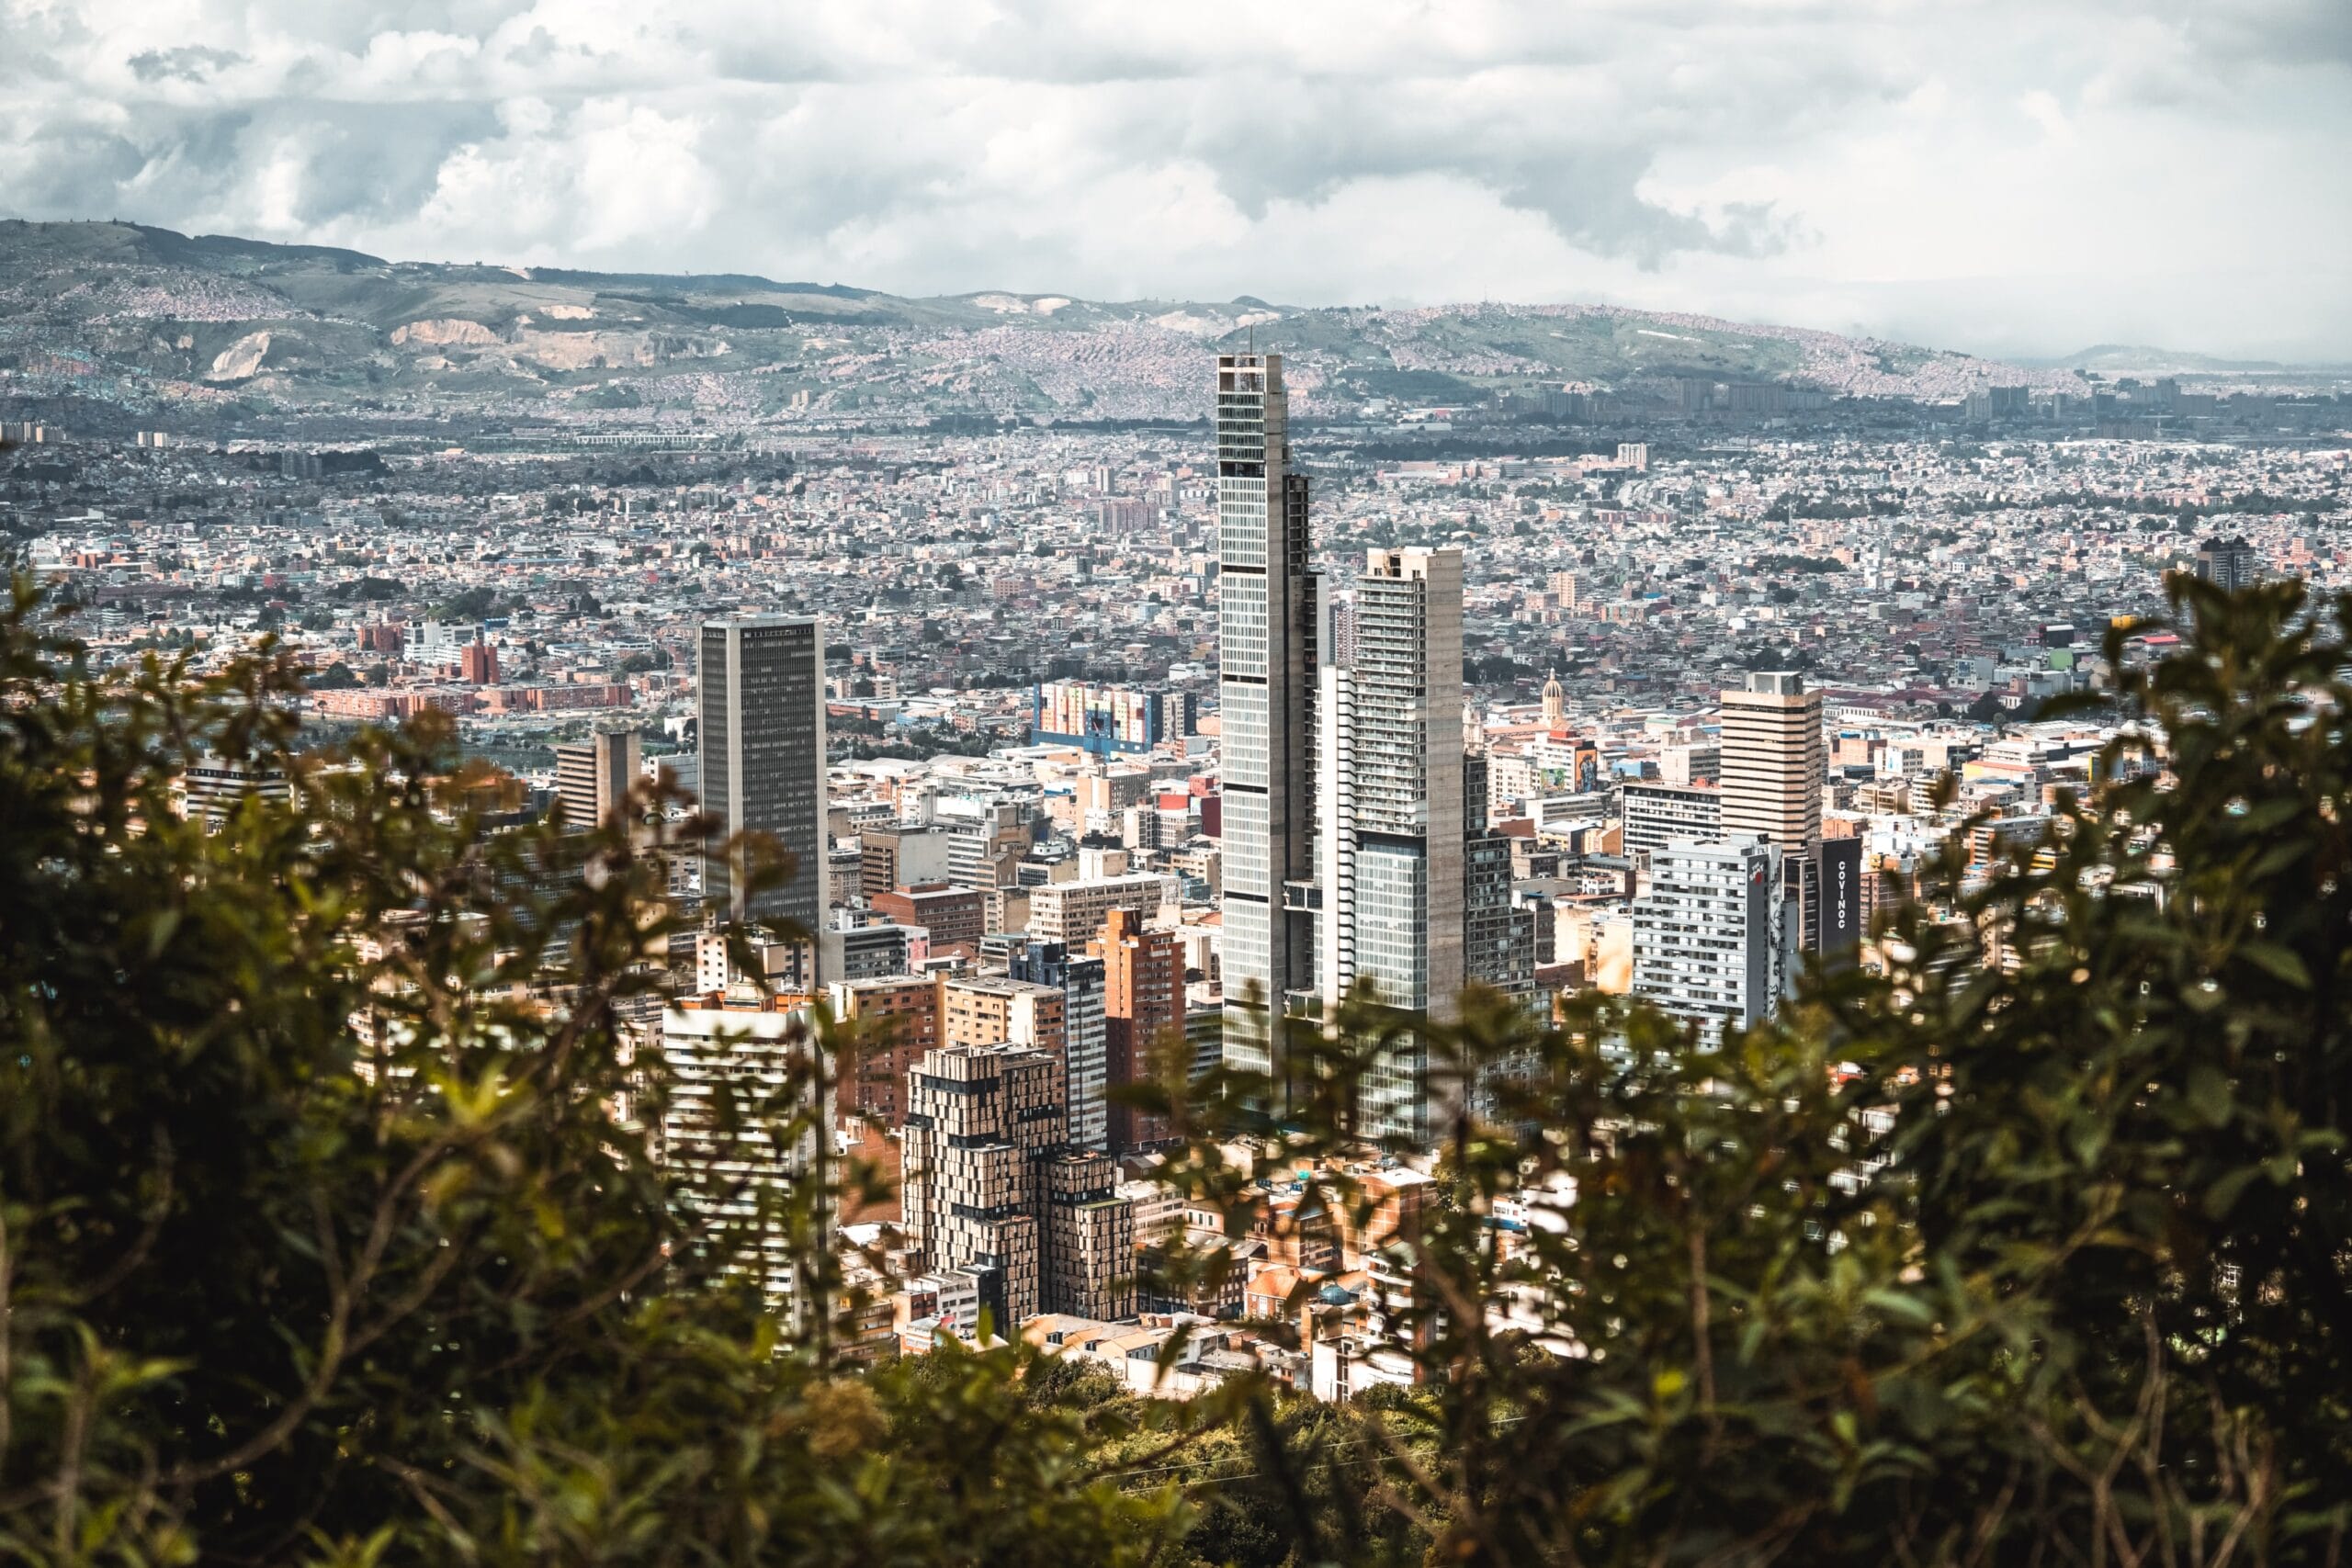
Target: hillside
148	320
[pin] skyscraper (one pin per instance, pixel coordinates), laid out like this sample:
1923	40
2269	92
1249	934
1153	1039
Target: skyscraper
1267	605
1774	761
1387	897
1404	761
762	706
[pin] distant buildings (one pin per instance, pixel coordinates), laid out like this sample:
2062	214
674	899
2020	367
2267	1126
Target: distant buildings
1108	719
2226	563
213	787
1073	912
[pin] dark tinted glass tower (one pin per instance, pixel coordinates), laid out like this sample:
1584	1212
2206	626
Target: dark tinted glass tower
762	699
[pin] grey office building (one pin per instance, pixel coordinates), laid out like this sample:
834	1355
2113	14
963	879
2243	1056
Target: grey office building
762	702
1267	605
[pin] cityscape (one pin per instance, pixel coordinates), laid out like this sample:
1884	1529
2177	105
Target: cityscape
1545	837
1083	740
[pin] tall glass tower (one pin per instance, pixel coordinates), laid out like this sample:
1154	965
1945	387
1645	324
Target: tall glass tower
762	716
1266	610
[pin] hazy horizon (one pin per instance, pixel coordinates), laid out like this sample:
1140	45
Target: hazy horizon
2011	180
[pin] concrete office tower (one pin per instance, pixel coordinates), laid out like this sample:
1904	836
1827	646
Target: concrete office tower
737	1174
1707	934
1774	762
593	777
1143	975
762	706
1266	628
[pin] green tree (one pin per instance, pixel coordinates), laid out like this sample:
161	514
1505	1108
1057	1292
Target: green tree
2025	1242
2030	1245
323	1234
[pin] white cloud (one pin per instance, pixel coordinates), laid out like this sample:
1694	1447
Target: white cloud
2013	174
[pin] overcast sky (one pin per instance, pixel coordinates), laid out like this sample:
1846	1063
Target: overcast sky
2019	176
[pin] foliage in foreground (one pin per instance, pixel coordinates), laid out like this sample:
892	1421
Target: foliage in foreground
2032	1247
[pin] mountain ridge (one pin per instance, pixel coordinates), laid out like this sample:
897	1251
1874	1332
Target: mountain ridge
147	317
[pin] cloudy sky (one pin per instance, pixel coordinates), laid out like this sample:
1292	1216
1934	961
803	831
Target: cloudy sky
2015	176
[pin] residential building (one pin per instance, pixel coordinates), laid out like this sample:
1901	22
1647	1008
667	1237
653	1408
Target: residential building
740	1125
1083	982
992	1186
895	1018
1657	814
1143	1009
1707	935
1073	912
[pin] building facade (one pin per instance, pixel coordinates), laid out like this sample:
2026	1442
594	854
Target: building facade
1143	1009
762	721
1707	935
593	777
1083	982
1266	608
1656	814
991	1186
1775	763
741	1165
